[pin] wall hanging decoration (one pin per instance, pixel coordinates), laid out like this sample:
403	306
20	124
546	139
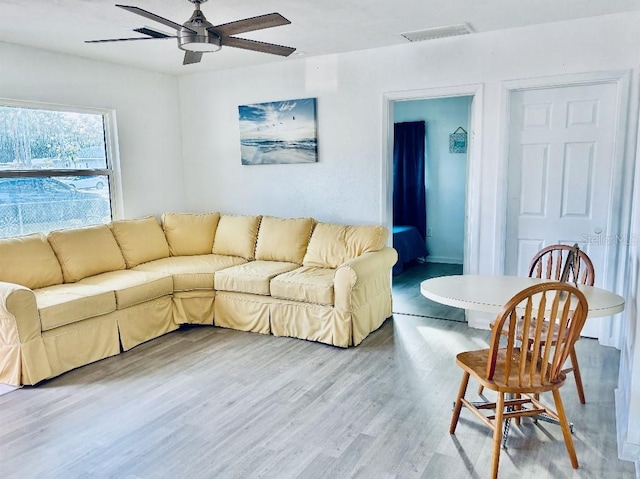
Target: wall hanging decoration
278	132
458	141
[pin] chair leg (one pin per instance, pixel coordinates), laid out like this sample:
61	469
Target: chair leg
576	374
497	435
480	389
566	432
456	410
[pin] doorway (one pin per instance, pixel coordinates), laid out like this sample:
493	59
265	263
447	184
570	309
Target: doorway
447	183
445	172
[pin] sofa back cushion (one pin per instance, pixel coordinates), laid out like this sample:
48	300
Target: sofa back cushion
190	234
332	245
86	251
283	239
236	236
140	240
364	239
29	261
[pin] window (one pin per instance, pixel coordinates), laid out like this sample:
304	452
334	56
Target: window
56	168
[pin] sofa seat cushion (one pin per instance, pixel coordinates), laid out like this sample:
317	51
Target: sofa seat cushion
133	287
191	273
63	304
309	284
253	277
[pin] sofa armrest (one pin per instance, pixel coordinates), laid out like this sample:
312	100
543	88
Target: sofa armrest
363	276
23	358
19	320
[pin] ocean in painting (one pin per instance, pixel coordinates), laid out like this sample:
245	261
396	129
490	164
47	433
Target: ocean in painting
269	152
278	132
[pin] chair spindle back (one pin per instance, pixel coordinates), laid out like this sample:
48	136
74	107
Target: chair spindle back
551	262
564	310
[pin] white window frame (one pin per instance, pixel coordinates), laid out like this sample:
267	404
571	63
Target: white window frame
112	168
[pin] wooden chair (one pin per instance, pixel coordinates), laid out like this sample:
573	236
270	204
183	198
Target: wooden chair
523	373
564	263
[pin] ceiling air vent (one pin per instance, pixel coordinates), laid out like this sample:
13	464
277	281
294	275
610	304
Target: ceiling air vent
438	32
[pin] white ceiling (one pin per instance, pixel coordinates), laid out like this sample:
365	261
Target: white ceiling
318	26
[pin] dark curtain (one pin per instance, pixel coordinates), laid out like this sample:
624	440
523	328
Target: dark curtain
409	196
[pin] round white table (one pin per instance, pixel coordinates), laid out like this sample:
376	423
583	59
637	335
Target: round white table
489	293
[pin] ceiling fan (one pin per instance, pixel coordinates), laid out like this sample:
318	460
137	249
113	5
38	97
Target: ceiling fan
197	35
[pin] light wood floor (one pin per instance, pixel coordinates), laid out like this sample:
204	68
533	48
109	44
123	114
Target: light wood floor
407	298
206	402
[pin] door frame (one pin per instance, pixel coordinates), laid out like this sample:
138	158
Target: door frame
471	255
615	271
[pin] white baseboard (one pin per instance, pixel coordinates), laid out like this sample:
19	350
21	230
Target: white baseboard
626	450
443	259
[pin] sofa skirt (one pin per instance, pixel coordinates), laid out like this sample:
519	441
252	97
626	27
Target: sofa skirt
74	345
246	312
145	321
267	315
314	322
193	307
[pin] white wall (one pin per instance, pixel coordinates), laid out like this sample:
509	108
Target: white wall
349	182
147	115
337	188
446	173
628	392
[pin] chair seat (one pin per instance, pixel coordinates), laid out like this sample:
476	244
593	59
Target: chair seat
475	363
532	330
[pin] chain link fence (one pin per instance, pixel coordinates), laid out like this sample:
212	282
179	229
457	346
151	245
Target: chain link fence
24	218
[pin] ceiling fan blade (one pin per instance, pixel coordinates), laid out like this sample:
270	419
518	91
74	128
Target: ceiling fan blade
154	17
192	57
257	46
250	24
127	39
152	32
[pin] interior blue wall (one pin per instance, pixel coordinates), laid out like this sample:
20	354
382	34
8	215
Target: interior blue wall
446	173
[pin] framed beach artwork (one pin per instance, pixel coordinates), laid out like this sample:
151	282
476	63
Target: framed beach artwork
279	132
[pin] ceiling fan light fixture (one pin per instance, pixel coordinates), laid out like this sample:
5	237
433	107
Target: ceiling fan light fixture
200	43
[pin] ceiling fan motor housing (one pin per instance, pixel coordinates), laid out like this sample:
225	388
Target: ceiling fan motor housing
204	40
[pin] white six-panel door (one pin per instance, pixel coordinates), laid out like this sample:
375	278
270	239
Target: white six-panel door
561	147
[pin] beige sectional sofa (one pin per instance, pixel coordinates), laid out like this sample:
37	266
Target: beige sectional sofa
79	295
